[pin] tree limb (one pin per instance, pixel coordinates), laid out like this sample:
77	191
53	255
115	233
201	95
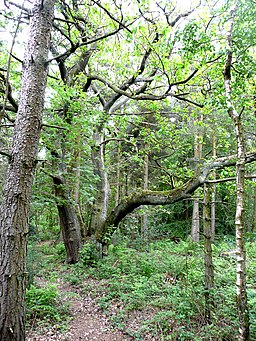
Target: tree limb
146	197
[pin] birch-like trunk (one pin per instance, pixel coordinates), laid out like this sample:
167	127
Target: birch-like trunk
198	151
14	210
242	304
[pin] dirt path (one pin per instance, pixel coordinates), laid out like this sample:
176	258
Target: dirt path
88	323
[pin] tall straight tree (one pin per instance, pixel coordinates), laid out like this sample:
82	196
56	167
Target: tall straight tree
242	304
14	210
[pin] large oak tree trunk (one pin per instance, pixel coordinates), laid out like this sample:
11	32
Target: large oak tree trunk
14	210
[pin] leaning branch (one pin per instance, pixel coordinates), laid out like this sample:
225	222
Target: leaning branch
146	197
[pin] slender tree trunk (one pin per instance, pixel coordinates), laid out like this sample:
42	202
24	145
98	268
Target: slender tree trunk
118	174
240	244
208	263
198	151
253	228
195	228
14	211
242	304
145	216
213	199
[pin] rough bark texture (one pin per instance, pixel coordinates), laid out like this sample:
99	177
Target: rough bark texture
69	222
14	211
208	263
242	304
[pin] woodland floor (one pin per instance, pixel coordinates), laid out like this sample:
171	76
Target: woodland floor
87	320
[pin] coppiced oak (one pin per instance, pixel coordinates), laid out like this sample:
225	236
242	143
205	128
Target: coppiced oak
14	211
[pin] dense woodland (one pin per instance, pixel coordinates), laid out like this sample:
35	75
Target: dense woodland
127	144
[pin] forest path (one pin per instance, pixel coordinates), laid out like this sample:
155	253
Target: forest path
88	323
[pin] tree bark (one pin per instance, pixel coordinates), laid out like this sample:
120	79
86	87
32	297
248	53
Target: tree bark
195	226
69	221
118	174
14	210
198	151
145	215
208	263
100	208
213	205
242	304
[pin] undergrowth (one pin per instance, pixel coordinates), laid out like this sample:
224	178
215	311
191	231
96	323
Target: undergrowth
167	278
44	307
155	290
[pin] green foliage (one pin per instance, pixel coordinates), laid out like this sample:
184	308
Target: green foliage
33	263
60	251
44	306
88	254
167	279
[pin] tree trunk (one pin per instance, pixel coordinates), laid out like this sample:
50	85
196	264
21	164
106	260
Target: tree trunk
198	151
14	210
253	227
208	263
242	304
213	199
145	216
69	221
76	169
118	174
195	227
100	208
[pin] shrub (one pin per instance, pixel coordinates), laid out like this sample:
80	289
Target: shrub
88	254
43	305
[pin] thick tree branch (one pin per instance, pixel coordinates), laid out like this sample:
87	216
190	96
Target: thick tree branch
146	197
